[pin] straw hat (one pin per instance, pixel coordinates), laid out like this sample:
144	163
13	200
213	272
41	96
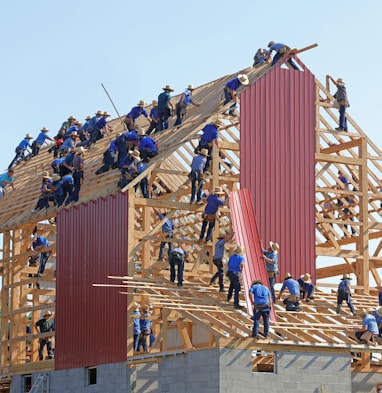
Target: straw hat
88	118
167	88
145	307
239	250
362	312
261	51
346	277
46	313
44	129
190	87
218	123
218	191
154	103
99	113
45	175
221	235
141	103
204	152
274	246
254	282
379	311
340	80
306	278
56	177
136	155
141	132
28	136
287	275
243	79
71	118
79	150
106	114
74	133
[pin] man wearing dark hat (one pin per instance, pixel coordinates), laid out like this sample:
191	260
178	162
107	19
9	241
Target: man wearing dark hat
261	301
234	269
197	175
271	261
342	101
260	57
280	50
223	238
292	301
306	288
165	107
344	293
44	325
20	150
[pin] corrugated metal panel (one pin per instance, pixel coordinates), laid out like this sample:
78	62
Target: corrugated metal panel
91	321
277	142
247	235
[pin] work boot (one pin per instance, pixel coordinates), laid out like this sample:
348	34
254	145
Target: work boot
338	309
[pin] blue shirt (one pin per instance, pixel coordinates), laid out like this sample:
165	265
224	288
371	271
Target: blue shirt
137	323
145	323
72	129
343	284
219	249
69	159
41	138
234	263
131	136
260	294
163	100
198	163
213	203
125	161
370	323
292	285
344	179
5	177
59	190
113	146
187	98
101	123
68	179
275	258
149	143
275	47
137	111
85	126
168	226
304	285
210	133
154	113
233	84
92	122
380	298
141	167
58	161
24	144
40	241
377	317
68	144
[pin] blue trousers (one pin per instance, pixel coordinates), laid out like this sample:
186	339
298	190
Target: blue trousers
272	282
343	120
211	226
219	274
257	314
180	265
170	235
163	119
196	177
42	344
234	287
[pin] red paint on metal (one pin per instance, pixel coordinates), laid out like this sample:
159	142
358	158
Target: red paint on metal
91	321
247	235
277	140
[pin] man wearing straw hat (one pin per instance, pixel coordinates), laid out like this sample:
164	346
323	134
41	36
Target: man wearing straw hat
44	325
40	140
230	92
20	150
197	175
165	107
306	288
261	301
209	216
292	301
271	261
344	293
342	101
78	173
234	268
181	106
154	116
135	112
369	330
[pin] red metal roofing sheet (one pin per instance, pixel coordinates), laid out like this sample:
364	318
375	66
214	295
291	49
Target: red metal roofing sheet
277	147
91	321
247	235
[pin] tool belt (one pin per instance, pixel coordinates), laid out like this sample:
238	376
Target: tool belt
272	274
209	217
284	49
260	306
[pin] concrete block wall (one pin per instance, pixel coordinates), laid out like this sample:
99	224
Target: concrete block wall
365	382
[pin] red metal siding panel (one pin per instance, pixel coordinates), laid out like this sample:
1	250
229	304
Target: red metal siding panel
277	162
247	235
91	321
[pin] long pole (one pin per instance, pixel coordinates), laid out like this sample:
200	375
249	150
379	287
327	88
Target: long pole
115	108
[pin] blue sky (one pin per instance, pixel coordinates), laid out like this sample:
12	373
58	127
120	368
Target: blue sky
57	54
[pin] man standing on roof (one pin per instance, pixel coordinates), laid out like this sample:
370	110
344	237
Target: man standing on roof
261	301
230	92
181	106
154	116
40	140
78	173
292	301
281	50
197	175
342	99
260	57
306	288
165	107
6	179
223	238
168	231
20	150
234	269
135	112
344	293
271	261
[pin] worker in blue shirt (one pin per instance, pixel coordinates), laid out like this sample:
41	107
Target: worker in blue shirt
56	187
67	189
230	92
135	112
69	143
377	314
260	57
197	175
38	243
280	50
165	107
168	230
293	287
145	324
137	326
40	140
147	146
109	157
124	142
154	116
234	269
181	106
344	293
6	179
177	258
56	164
306	288
369	330
20	150
209	215
261	301
271	262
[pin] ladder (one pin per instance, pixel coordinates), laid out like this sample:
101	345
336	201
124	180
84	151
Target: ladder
41	384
